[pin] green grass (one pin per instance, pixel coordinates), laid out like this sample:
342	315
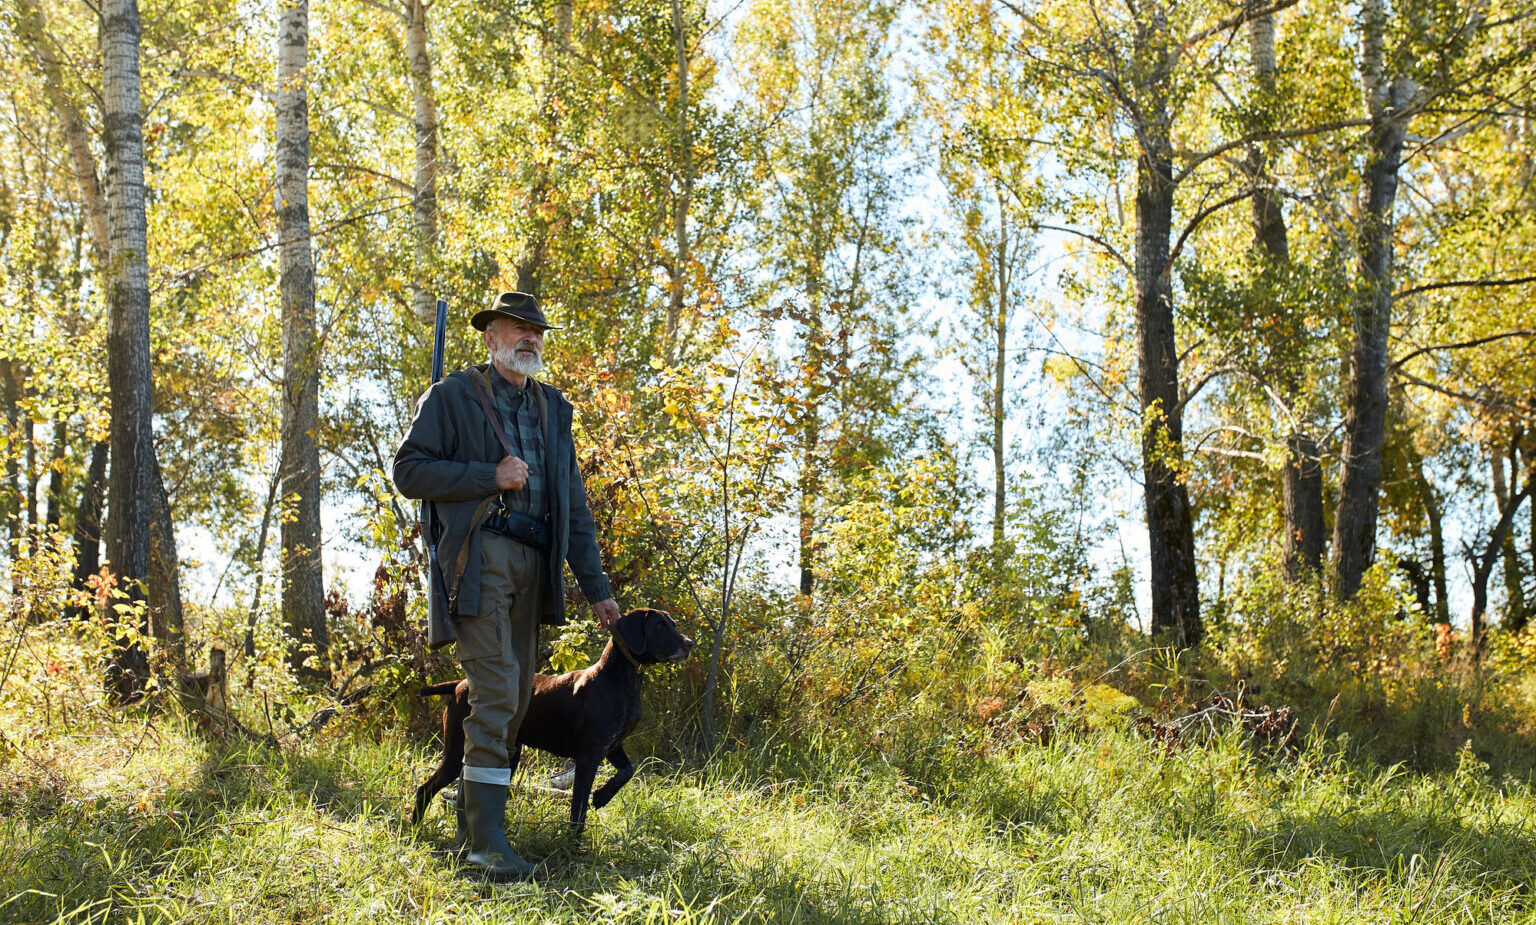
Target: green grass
111	815
128	819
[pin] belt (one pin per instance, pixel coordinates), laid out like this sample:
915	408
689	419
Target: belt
530	531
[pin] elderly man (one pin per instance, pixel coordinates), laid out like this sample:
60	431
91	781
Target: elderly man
490	447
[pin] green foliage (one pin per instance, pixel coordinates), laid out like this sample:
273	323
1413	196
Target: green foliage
140	816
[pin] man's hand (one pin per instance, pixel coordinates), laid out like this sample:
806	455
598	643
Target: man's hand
511	474
607	613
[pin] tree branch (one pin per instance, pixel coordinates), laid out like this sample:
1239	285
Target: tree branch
387	178
1244	141
1496	403
1465	284
386	8
232	80
1108	248
1235	20
1199	217
1204	381
1462	345
253	251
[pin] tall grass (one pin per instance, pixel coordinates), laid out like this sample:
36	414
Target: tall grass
142	815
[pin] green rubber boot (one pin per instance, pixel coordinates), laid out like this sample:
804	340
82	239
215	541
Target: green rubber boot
460	844
489	854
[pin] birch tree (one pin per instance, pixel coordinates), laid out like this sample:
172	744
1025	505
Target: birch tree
818	75
303	591
985	125
164	589
1301	478
1387	98
134	472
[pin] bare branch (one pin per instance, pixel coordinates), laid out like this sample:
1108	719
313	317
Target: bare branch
1235	20
386	8
383	108
1200	447
1199	217
1223	451
233	80
1465	284
1204	381
357	168
1462	345
176	277
1494	403
1244	141
1108	248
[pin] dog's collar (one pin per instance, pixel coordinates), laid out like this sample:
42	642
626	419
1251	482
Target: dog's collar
618	643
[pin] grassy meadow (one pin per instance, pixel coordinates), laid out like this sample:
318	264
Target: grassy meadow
143	815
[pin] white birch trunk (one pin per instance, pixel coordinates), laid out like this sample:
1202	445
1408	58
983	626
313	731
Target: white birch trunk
424	209
303	591
128	364
684	201
1354	523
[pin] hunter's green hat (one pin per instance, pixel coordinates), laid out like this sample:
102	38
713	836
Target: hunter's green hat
519	306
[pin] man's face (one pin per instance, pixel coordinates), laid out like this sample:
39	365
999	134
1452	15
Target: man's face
515	344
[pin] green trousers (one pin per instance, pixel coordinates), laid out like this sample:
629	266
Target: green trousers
498	650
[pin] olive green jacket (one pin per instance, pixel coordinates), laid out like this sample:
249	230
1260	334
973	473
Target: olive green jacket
449	459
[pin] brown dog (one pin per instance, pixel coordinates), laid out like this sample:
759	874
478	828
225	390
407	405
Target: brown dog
583	715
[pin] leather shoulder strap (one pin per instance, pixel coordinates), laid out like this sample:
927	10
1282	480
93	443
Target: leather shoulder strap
482	387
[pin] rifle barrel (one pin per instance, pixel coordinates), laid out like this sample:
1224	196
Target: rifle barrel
438	339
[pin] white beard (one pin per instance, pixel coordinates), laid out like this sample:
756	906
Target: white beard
524	362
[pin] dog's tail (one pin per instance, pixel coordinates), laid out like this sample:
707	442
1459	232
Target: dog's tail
438	690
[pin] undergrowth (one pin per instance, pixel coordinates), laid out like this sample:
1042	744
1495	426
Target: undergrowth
140	814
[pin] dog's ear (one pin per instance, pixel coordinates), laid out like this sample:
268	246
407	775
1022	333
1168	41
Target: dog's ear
631	629
656	632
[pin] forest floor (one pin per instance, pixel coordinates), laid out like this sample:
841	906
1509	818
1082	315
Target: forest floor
111	816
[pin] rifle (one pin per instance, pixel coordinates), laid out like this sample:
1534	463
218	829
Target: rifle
439	627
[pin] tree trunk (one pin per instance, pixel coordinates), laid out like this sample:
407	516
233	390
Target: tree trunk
303	591
12	510
29	434
999	381
1170	520
128	355
684	201
88	525
1431	503
1269	231
165	613
56	459
165	575
1302	491
261	571
32	28
424	209
1418	581
1514	597
1529	453
1354	523
810	437
717	641
1301	479
1482	564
